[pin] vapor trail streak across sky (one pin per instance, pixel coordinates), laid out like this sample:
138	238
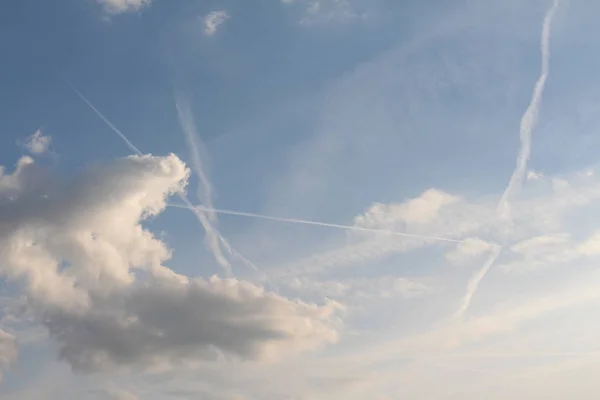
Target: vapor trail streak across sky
317	223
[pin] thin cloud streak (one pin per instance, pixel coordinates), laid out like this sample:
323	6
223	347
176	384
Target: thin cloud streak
528	122
317	223
204	193
530	117
475	280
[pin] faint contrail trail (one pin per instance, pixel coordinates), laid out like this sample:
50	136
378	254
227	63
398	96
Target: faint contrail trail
103	118
204	191
196	147
476	280
530	117
316	223
528	122
200	216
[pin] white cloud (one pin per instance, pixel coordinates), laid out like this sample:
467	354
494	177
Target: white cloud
435	213
348	290
469	249
213	20
95	277
38	143
591	246
321	12
420	210
122	6
534	175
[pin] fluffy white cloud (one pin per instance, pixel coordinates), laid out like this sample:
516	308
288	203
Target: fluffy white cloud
37	143
121	6
95	277
213	20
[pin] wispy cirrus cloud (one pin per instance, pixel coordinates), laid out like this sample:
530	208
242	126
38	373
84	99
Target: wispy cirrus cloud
123	6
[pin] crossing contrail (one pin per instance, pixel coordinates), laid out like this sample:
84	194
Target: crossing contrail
203	219
316	223
528	122
204	192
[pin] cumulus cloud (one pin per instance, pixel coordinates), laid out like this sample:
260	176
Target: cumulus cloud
433	214
96	278
213	20
37	143
121	6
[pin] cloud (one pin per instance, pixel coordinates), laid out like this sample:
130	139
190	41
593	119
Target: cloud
433	218
208	219
550	250
467	250
96	279
37	143
530	117
213	20
534	175
122	6
115	393
8	350
417	211
323	12
528	123
357	289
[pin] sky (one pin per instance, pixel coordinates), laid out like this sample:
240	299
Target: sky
299	199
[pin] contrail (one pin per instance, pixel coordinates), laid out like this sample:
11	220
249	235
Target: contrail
204	192
530	117
528	123
316	223
200	216
475	280
188	125
103	118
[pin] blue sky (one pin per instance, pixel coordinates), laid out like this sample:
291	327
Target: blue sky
421	179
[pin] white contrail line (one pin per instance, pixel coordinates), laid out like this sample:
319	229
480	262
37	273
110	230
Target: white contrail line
317	223
188	125
530	117
200	216
214	239
475	280
204	191
528	123
103	118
